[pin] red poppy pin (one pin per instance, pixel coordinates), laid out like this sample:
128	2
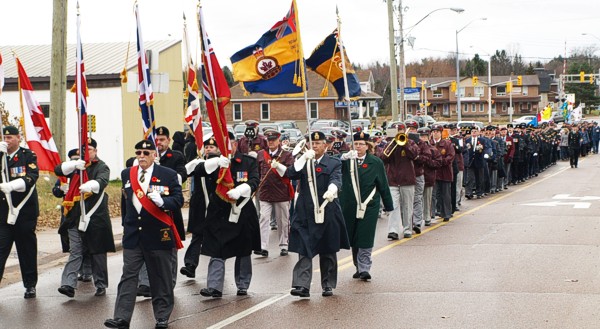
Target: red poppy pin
318	169
169	155
15	158
154	179
364	165
238	160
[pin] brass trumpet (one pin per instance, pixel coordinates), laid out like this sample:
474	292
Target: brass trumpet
399	140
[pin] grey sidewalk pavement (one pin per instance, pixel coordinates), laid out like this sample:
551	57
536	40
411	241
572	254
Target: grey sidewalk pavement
50	249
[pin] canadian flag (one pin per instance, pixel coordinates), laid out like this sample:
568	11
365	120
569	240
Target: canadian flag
37	134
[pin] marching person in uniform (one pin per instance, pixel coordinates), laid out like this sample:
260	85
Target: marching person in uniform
204	187
97	238
152	192
575	141
374	188
307	237
22	176
275	192
226	235
252	141
443	179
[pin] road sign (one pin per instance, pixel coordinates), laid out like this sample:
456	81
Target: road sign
412	94
345	104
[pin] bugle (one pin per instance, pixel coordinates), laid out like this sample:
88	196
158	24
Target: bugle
399	140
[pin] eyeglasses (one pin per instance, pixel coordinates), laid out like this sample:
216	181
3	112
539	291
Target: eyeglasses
146	153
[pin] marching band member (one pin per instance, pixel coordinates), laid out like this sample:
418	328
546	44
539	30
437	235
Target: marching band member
444	175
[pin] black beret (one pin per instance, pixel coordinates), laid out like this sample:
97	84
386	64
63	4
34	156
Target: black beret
510	125
92	143
523	125
163	131
210	141
360	136
72	153
145	144
317	136
11	130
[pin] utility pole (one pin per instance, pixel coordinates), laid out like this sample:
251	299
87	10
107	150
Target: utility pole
58	74
402	75
393	73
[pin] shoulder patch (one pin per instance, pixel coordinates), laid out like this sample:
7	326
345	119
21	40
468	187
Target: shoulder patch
32	165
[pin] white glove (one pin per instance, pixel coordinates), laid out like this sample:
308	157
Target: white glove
485	156
90	186
279	167
223	162
309	155
156	198
234	194
68	167
352	154
242	190
64	187
4	147
190	166
534	154
157	161
331	193
253	154
17	185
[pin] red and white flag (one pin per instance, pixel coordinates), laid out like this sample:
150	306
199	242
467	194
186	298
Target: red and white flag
37	134
193	115
1	75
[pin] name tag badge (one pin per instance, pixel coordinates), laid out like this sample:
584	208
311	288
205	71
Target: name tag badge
242	176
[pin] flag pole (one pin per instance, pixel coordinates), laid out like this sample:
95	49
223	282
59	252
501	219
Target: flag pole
339	42
79	94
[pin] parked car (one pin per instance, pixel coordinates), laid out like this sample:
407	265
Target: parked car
317	124
524	119
287	124
461	124
293	136
423	120
365	123
238	130
557	117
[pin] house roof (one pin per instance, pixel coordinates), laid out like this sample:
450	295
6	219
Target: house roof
100	58
363	75
315	86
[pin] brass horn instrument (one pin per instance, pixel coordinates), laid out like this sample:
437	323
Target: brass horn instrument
399	140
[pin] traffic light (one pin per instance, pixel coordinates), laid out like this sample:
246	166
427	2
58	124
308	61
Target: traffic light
519	80
591	79
453	86
475	81
413	82
581	76
509	87
92	123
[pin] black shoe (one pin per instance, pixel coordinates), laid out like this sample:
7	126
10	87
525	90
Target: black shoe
300	292
446	219
407	236
264	253
417	229
393	236
479	196
257	252
67	291
455	210
469	197
327	292
116	323
365	276
283	252
161	324
242	292
211	292
427	223
188	271
29	293
356	275
144	291
85	278
100	292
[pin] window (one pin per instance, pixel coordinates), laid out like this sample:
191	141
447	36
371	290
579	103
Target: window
446	109
473	107
481	107
504	107
465	107
525	90
501	91
438	93
314	110
265	112
462	91
525	107
46	109
479	91
237	112
434	107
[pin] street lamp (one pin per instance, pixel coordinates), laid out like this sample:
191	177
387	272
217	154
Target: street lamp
458	108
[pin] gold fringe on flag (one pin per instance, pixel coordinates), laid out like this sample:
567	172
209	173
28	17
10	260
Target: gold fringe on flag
124	75
195	85
325	91
74	88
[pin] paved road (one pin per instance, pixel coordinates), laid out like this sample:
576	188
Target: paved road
528	257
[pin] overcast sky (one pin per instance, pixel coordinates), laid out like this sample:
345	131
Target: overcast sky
536	29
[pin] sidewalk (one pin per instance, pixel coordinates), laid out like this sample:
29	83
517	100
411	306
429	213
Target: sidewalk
50	248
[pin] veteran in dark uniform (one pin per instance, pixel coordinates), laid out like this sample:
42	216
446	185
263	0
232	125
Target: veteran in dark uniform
94	238
373	189
152	193
225	234
443	175
174	160
308	238
22	176
204	187
252	141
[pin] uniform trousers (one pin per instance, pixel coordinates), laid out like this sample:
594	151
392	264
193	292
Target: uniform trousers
459	188
427	202
474	181
494	180
403	197
242	272
362	259
144	278
74	263
418	201
160	273
26	243
507	179
192	254
573	156
279	211
444	199
302	274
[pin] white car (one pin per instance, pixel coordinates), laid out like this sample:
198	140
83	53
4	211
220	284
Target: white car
524	119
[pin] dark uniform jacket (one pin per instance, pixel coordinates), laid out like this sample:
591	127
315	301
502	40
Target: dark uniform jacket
258	143
143	229
476	152
273	188
23	165
510	149
446	150
197	212
98	238
434	163
424	156
222	238
399	166
308	238
574	139
175	160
